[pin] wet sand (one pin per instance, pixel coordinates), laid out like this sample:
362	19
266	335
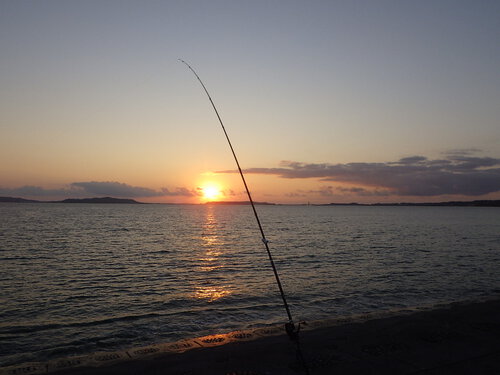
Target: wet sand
461	338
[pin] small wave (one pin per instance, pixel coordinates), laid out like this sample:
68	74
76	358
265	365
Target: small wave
16	258
118	230
29	328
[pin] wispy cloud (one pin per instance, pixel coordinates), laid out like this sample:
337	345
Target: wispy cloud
462	151
458	173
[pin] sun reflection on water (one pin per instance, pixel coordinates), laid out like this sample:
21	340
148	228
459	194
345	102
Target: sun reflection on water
210	261
211	293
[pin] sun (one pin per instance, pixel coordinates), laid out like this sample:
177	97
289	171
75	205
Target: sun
210	192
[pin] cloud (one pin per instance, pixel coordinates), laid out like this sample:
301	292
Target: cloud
98	188
364	192
457	174
324	191
116	189
296	194
331	191
179	192
35	191
228	193
461	151
412	160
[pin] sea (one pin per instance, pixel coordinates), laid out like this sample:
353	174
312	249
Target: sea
81	278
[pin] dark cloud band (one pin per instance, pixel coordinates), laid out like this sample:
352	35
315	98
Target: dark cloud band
458	174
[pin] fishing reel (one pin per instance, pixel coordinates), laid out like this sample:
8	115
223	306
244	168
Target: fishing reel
292	330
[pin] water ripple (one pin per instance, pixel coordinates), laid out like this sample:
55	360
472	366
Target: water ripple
83	278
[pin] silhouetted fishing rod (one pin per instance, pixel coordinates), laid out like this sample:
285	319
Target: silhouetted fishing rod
290	326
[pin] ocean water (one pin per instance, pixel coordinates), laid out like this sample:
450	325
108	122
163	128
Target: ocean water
80	278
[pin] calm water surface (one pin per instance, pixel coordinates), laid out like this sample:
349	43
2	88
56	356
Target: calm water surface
79	278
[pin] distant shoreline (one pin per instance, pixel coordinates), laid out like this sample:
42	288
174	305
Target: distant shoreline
108	200
73	200
476	203
239	203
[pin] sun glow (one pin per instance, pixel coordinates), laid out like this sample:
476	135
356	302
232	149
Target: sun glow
210	192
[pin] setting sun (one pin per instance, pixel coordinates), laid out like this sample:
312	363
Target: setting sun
210	192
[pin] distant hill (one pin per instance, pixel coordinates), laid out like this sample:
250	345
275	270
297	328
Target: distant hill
17	200
99	200
72	200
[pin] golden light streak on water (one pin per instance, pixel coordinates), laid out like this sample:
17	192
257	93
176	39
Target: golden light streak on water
210	260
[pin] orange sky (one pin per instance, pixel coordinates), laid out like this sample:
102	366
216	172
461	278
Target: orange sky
324	101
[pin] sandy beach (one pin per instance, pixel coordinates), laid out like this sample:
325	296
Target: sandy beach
460	338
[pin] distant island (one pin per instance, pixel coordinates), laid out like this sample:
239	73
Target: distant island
17	200
71	200
477	203
100	200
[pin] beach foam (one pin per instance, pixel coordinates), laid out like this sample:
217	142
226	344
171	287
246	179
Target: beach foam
389	333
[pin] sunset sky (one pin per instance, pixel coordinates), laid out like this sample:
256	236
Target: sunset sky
325	101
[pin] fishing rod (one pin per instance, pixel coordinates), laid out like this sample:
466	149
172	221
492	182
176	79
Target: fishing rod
290	326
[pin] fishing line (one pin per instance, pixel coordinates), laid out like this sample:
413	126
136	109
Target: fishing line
290	327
